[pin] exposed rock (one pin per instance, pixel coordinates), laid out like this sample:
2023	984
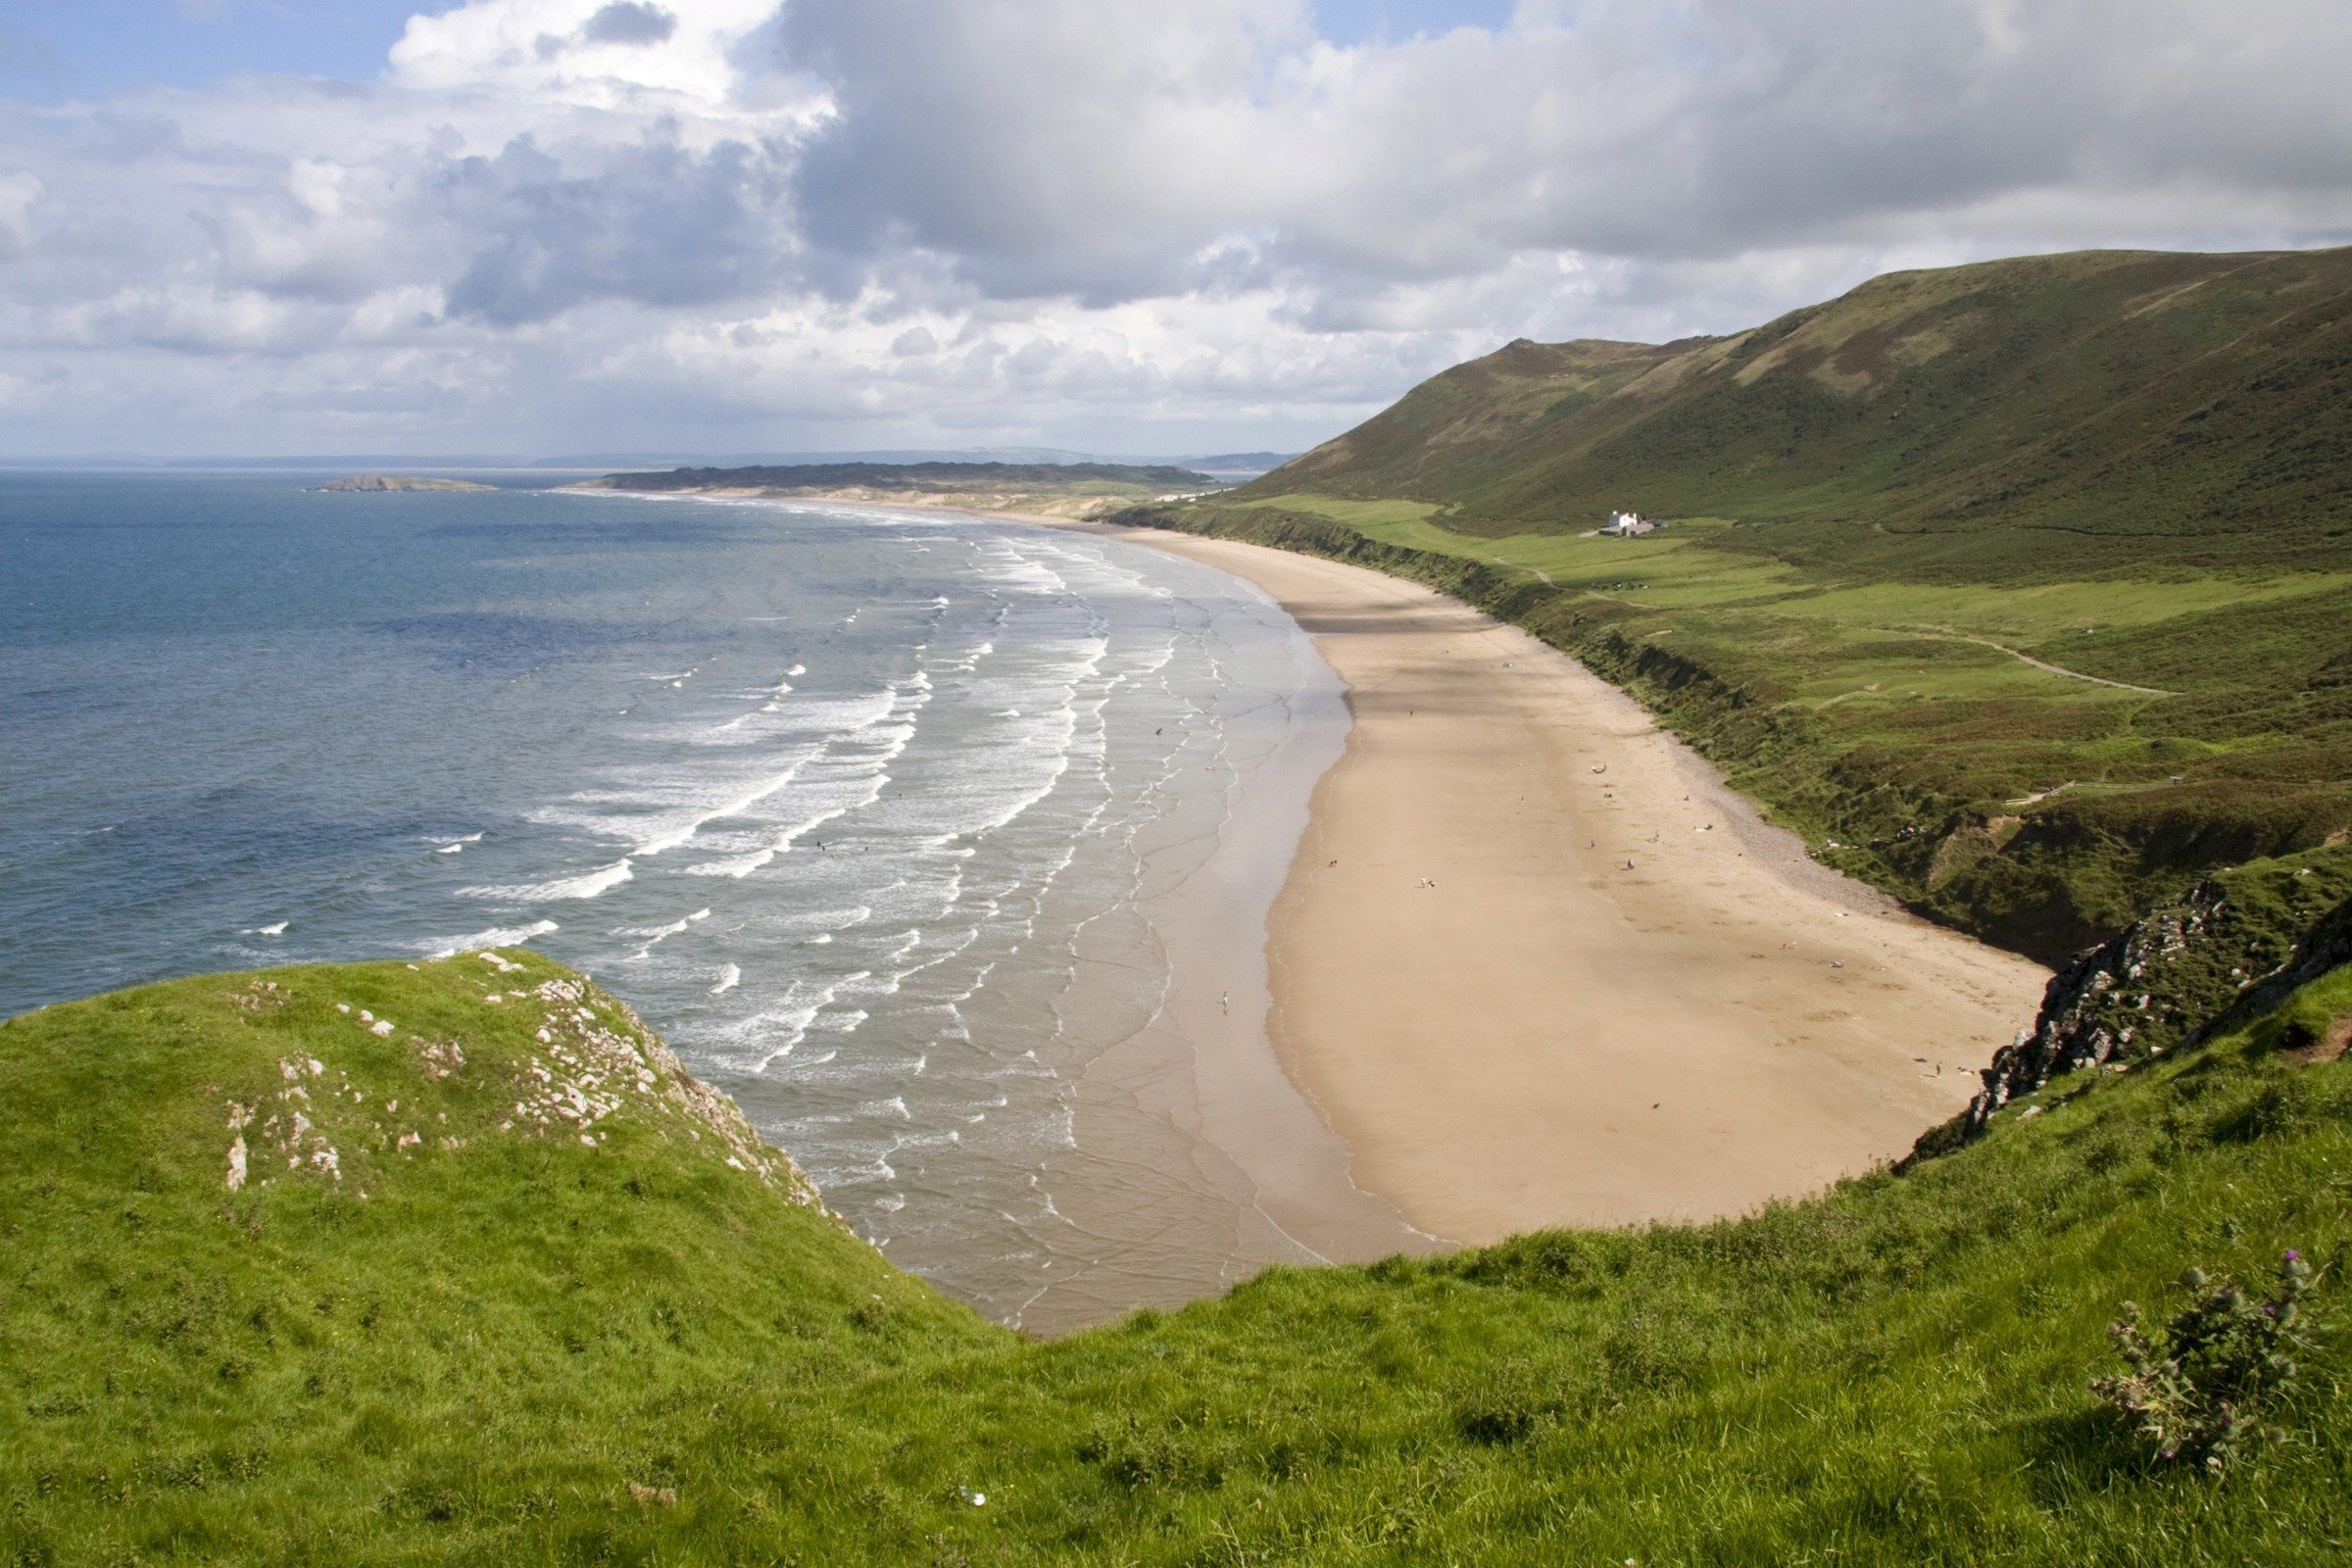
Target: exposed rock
2167	981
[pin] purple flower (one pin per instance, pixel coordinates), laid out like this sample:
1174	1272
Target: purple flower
2292	1255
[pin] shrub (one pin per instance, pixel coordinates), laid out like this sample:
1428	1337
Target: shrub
2198	1387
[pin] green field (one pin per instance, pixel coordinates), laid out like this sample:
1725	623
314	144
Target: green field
1847	640
1904	725
521	1348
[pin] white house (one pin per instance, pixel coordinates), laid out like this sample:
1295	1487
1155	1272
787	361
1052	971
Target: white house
1629	525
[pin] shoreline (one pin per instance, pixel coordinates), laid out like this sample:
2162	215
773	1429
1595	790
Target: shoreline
1533	963
1194	1159
1512	1027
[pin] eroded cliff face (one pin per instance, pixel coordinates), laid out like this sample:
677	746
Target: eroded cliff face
2163	983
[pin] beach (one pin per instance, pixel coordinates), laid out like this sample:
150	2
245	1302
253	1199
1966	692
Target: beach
1535	964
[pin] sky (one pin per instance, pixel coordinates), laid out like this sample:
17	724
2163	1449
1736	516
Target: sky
549	226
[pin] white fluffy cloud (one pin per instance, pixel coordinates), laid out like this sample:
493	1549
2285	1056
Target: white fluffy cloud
566	225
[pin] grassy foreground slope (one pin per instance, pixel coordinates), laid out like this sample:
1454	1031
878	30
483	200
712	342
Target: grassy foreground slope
2024	589
523	1346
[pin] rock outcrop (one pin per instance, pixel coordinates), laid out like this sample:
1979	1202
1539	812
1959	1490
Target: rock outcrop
2177	974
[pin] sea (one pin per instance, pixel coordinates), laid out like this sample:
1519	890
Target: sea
834	798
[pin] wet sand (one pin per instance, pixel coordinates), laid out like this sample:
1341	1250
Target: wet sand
1535	964
1195	1163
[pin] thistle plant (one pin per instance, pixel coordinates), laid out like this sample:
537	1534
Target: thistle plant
2199	1386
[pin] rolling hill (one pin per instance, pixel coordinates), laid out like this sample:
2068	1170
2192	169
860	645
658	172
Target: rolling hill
2044	418
450	1262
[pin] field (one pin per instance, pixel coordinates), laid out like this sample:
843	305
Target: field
2034	761
521	1348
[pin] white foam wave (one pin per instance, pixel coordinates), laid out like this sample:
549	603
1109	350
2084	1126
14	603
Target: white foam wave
506	936
680	830
663	933
728	979
587	885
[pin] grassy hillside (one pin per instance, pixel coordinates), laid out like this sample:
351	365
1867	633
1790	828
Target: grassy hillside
520	1345
2026	420
2021	589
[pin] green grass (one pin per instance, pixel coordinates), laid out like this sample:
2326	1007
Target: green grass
1890	716
479	1359
2057	621
2026	419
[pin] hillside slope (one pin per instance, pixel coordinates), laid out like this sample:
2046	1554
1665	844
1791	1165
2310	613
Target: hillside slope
523	1346
2021	589
2190	408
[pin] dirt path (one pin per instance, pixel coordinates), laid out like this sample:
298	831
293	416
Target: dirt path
2043	664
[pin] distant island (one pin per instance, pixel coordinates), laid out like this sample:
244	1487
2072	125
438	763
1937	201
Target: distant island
381	482
1059	489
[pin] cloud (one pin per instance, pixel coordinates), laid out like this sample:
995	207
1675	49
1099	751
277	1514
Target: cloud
1054	147
18	193
610	54
571	222
653	222
625	21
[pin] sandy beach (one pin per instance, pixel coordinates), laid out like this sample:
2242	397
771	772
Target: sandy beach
1535	964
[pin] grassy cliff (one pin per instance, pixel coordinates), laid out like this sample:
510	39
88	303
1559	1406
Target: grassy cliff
2021	589
496	1282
